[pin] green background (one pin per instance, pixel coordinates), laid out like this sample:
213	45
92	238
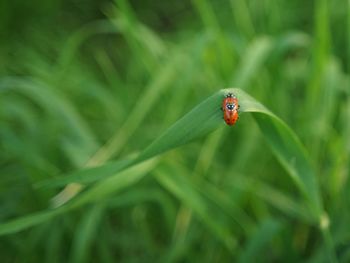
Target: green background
89	89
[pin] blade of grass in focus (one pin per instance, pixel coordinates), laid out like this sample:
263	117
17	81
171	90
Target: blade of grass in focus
284	143
203	119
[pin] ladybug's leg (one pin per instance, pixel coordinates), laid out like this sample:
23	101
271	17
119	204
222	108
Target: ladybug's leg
221	109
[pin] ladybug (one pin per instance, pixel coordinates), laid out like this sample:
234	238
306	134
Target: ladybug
230	108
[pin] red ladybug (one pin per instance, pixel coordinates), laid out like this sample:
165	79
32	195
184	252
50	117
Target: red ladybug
230	108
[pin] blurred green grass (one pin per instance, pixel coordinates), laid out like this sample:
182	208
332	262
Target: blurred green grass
83	84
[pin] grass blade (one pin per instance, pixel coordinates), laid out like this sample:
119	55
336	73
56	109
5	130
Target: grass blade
203	119
284	143
207	117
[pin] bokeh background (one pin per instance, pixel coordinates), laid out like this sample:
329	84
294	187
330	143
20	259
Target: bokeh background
87	82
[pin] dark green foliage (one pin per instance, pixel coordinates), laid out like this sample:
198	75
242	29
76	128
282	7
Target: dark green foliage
113	146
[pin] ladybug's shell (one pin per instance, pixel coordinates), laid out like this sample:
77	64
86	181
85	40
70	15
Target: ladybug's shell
230	115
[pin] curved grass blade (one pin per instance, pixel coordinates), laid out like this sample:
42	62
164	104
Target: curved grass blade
207	117
291	154
289	151
203	119
284	143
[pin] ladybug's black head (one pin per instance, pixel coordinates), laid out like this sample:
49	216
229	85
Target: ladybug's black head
230	95
230	106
